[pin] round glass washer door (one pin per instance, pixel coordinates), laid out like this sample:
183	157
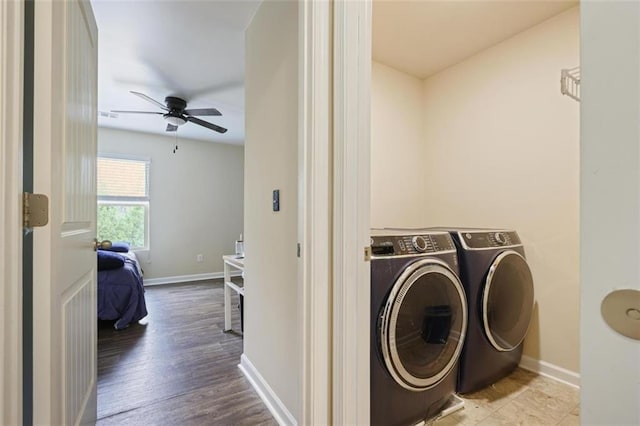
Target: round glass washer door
507	301
423	324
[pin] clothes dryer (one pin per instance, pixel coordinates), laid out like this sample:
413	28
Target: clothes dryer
418	323
499	288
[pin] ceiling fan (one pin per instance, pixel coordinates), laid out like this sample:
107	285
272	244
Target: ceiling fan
176	113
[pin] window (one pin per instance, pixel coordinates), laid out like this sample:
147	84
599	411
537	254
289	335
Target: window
123	200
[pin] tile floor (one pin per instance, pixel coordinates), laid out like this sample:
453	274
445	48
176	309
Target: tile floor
523	398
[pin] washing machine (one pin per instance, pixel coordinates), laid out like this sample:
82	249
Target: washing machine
418	323
499	288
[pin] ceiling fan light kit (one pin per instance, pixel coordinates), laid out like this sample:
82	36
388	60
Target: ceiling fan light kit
176	113
175	120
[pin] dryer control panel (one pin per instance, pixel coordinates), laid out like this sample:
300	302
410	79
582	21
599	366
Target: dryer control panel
489	239
405	245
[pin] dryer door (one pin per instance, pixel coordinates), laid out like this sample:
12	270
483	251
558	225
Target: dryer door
423	324
507	301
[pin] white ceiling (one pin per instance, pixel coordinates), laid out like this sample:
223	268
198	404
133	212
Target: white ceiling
427	36
190	49
194	49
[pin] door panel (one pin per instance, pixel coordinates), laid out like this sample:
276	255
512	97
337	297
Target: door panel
610	201
78	303
81	98
65	115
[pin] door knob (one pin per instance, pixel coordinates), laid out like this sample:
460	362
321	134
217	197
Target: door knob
621	310
106	244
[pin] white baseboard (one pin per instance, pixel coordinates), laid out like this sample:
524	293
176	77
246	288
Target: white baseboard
187	278
550	370
268	396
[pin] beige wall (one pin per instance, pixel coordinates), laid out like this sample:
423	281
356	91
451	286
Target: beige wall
501	149
196	200
397	178
272	334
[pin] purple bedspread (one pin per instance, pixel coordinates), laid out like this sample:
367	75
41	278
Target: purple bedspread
121	294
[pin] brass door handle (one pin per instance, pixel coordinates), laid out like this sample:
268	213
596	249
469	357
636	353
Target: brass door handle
106	244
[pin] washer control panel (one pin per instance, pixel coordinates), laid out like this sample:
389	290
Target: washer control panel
489	239
403	245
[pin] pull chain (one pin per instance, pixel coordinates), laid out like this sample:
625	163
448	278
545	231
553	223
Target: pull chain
175	148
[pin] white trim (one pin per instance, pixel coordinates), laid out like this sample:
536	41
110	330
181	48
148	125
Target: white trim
11	104
186	278
551	371
314	219
351	212
268	396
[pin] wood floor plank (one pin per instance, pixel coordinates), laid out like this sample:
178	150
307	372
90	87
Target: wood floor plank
179	368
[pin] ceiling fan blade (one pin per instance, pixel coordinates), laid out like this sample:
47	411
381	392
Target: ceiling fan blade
202	111
171	127
148	99
206	124
136	112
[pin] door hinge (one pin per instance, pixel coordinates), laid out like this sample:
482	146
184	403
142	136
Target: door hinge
367	253
35	210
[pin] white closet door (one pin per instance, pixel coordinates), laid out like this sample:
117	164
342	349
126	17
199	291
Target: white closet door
610	207
65	133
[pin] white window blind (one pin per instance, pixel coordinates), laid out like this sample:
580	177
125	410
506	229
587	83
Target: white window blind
123	178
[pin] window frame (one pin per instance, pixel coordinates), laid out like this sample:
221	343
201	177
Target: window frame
145	202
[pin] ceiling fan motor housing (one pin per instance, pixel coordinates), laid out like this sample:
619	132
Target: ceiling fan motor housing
175	104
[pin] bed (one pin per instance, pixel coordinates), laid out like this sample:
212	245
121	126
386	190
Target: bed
120	288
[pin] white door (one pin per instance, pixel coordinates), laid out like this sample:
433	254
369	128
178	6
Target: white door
64	283
610	215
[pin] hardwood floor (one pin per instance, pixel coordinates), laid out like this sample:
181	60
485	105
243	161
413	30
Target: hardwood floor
179	368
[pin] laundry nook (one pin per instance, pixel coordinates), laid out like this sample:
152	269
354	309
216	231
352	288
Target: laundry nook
475	185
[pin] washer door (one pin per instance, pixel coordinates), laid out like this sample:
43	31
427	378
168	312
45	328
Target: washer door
507	301
423	324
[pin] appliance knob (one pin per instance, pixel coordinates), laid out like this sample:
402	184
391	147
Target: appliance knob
500	238
419	243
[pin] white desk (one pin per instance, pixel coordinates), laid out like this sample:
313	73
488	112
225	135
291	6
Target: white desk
232	261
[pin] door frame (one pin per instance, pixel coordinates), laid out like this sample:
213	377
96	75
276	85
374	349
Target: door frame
314	218
11	133
334	210
352	36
